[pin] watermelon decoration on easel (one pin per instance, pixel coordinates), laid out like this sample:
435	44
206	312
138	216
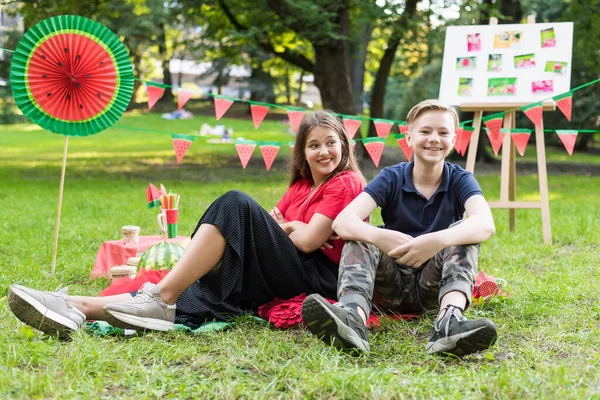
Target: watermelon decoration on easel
494	124
535	113
496	141
352	125
568	139
295	117
520	137
374	146
404	146
245	148
269	151
383	127
222	104
258	114
181	143
71	75
564	102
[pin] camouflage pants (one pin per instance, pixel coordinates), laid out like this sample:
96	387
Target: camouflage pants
372	279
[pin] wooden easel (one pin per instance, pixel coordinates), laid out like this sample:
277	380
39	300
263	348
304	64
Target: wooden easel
508	169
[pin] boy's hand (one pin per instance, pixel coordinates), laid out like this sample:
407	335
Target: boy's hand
328	245
418	251
276	214
389	240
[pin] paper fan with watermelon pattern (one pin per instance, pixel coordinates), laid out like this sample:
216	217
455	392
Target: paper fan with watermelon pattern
71	75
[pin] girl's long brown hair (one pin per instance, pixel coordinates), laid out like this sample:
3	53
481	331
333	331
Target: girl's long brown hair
299	166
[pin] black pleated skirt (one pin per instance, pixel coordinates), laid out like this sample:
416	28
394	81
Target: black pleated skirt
260	262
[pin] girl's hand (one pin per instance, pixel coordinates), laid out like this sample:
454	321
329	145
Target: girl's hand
328	245
276	214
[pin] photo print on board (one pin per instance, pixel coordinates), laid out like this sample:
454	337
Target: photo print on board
466	63
544	86
558	67
548	38
473	42
495	63
525	61
502	87
465	86
507	40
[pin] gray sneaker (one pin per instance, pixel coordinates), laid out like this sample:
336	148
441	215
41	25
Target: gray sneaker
144	311
335	324
49	312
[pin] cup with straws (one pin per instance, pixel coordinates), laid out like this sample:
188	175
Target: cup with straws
169	213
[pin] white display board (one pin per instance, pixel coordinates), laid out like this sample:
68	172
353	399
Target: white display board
491	64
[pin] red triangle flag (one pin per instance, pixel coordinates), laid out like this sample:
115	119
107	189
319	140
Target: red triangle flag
458	141
181	143
245	148
565	104
568	139
351	126
520	137
494	124
406	149
496	141
269	152
383	127
182	97
295	117
258	114
352	144
465	139
221	106
403	127
375	148
535	113
154	94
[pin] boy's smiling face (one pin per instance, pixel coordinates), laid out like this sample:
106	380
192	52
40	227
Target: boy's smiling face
432	136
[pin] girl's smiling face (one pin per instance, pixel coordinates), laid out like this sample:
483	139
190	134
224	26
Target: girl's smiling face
323	152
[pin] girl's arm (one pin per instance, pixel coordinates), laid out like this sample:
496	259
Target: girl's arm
309	237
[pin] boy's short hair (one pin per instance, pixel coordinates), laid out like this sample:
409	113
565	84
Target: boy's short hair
431	105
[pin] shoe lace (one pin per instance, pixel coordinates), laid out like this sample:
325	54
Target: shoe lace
444	322
143	294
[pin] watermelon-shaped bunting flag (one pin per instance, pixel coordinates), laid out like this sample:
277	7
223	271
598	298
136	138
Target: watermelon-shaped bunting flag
352	144
295	116
245	148
269	151
457	141
383	127
181	143
152	196
292	145
182	97
535	113
258	114
520	137
374	146
154	91
352	125
568	139
565	104
494	124
222	104
406	149
465	139
496	141
71	75
403	127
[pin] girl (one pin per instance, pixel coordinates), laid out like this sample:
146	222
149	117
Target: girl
240	255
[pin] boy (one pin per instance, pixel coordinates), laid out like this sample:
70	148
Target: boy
422	255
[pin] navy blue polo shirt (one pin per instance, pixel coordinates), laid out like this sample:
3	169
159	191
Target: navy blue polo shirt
406	210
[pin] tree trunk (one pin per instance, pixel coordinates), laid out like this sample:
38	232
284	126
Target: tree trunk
358	51
511	12
332	77
167	101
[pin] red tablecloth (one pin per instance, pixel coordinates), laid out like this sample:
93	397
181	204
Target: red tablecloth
115	252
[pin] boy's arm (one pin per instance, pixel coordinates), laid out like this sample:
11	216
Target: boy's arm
350	225
476	228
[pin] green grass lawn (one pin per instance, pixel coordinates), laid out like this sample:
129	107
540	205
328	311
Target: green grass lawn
549	326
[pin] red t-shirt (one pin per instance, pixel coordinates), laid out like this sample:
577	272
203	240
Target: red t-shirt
300	203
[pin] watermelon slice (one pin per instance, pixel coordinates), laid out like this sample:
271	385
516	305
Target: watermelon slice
152	196
383	127
154	94
496	141
568	139
182	97
352	144
258	114
245	148
375	148
295	117
351	126
292	145
494	124
222	104
458	140
535	113
269	152
565	104
404	146
181	143
520	137
465	139
403	127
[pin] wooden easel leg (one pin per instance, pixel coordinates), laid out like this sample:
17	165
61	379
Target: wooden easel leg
505	168
512	180
472	154
540	147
